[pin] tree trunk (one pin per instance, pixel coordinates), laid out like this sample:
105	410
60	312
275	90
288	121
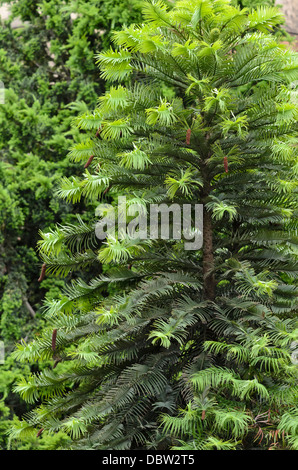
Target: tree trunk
208	257
29	308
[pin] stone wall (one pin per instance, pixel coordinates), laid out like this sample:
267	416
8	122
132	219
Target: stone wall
290	10
4	14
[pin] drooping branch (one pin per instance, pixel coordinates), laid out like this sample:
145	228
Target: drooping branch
29	308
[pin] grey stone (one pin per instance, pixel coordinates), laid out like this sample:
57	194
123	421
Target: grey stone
290	10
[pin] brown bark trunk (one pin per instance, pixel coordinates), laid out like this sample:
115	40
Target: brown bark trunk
208	257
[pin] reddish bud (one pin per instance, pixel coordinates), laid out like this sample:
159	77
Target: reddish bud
54	336
42	273
56	363
39	432
188	134
89	161
226	164
106	190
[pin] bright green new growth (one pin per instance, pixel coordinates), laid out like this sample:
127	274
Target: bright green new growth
195	350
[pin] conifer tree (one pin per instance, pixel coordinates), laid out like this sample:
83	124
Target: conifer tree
191	348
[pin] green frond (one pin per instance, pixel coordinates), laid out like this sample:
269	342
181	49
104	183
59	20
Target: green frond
265	18
120	250
232	422
156	14
88	121
114	65
135	159
82	150
183	182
